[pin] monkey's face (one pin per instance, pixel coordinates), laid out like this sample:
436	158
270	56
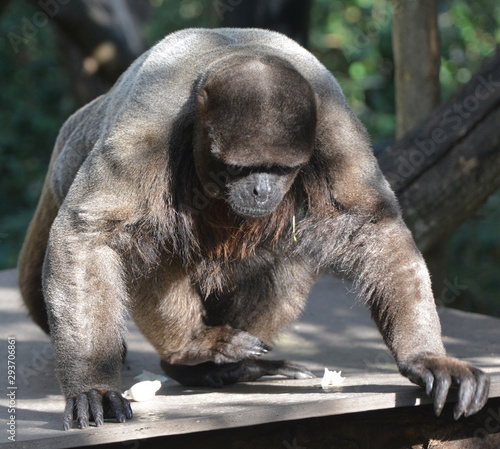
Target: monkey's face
257	191
255	127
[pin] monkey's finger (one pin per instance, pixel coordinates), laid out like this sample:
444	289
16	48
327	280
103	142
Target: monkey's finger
82	410
442	384
68	413
95	405
115	405
427	381
255	353
481	394
241	345
261	348
283	368
465	394
248	343
128	408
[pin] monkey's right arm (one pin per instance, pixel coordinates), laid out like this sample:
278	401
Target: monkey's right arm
86	299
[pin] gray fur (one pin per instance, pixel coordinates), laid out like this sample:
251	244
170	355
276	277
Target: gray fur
127	232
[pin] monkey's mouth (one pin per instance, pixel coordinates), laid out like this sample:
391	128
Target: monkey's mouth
252	212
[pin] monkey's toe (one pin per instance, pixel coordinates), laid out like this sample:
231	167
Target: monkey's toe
293	370
250	370
213	375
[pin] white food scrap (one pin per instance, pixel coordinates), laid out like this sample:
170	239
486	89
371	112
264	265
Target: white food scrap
143	391
331	379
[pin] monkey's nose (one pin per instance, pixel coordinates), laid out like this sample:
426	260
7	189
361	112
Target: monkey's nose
262	192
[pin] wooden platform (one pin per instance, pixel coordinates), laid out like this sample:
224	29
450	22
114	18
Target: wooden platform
375	408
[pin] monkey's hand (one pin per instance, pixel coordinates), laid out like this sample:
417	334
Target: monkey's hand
219	344
437	373
234	345
93	405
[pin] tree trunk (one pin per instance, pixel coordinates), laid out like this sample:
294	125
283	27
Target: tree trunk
415	41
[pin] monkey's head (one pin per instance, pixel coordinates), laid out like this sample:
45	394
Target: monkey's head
255	128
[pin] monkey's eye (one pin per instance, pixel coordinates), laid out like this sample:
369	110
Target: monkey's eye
237	170
283	170
234	171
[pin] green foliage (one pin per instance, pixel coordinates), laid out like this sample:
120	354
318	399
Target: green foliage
351	37
469	34
34	102
474	253
169	15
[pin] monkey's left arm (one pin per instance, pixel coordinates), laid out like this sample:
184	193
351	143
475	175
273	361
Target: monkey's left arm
395	282
392	276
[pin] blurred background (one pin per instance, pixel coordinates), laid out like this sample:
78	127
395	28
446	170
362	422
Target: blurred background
46	73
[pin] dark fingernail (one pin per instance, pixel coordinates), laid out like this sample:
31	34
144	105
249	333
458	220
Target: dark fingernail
120	417
98	422
438	409
128	411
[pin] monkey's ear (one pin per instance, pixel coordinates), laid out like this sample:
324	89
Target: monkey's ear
203	98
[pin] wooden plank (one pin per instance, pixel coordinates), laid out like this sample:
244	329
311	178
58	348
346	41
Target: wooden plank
334	331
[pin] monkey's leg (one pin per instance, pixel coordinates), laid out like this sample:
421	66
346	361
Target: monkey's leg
170	313
213	375
32	255
264	304
86	299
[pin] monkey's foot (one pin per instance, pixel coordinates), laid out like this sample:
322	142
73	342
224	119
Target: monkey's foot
95	406
213	375
436	374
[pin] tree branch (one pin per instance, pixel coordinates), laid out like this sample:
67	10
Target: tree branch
446	168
